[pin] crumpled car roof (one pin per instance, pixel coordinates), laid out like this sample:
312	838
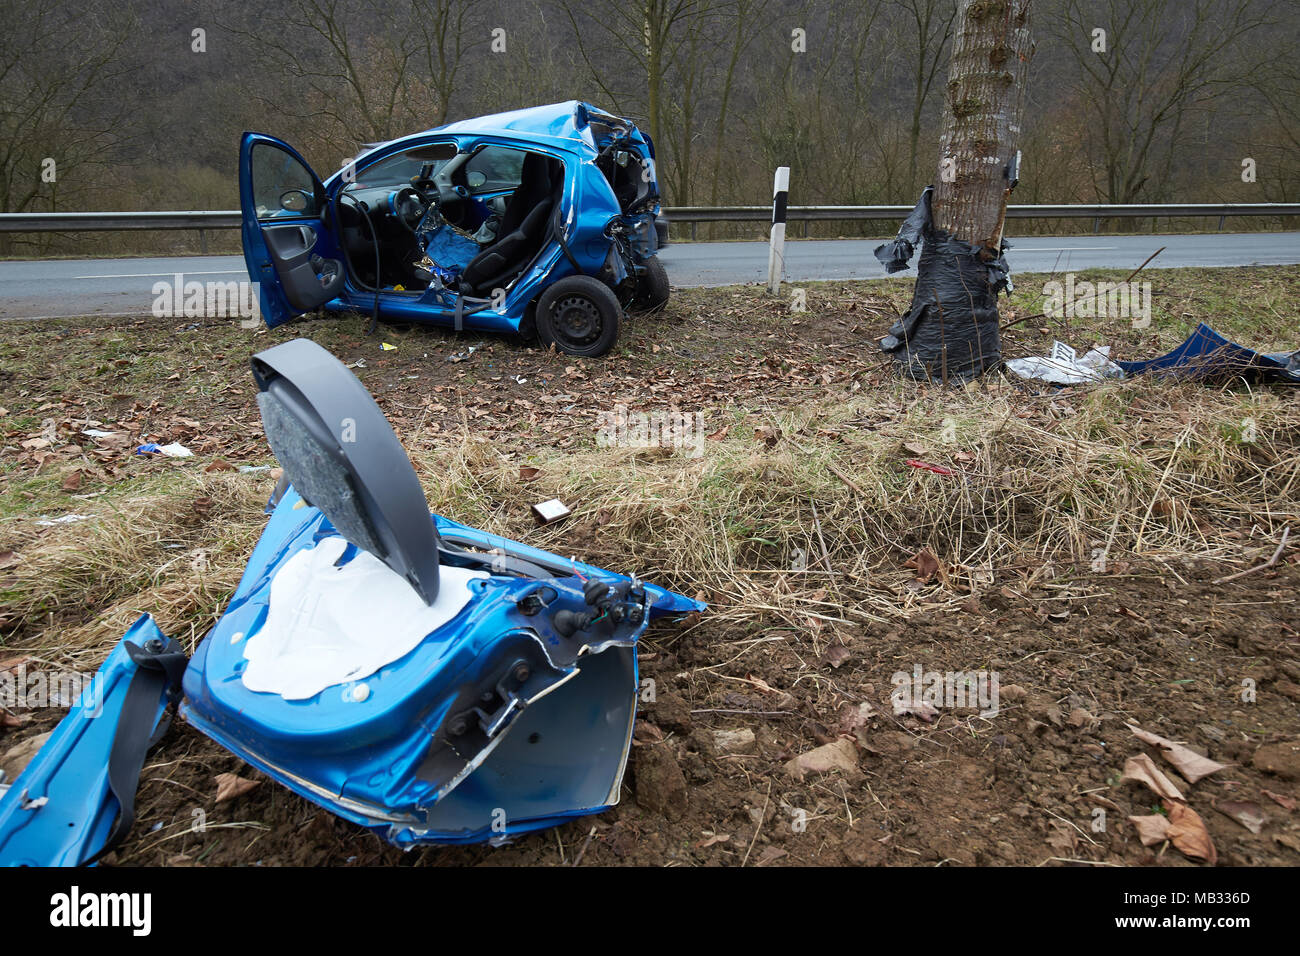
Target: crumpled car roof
564	124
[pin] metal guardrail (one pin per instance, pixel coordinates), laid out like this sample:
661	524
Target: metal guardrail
203	220
1071	211
118	221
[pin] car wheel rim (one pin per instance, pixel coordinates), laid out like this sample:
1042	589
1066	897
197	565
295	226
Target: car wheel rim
576	320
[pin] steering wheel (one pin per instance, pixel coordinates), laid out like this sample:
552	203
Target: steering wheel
408	207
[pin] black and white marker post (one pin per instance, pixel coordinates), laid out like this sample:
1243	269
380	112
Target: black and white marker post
776	250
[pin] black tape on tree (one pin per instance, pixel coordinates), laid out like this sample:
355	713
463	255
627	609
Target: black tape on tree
951	330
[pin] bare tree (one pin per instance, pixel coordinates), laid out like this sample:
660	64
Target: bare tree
353	72
817	114
641	39
1142	68
61	113
445	32
925	34
744	17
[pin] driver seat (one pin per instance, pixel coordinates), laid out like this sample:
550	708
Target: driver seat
523	227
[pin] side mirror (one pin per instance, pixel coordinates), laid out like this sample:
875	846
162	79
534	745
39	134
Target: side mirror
295	200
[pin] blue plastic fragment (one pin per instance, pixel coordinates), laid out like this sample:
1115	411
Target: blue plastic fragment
60	811
543	749
1207	356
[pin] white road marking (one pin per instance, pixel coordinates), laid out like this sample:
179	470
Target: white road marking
184	272
141	312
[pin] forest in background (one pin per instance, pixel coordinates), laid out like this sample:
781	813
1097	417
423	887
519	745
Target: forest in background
137	110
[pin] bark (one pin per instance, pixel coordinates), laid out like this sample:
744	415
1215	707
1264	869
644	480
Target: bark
982	117
950	332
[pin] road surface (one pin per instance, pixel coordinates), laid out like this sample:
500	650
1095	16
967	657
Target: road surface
55	288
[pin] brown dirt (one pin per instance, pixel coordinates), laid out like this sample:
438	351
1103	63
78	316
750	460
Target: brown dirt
1091	654
1078	653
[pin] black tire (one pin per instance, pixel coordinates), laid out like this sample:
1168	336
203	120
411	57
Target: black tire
652	288
579	315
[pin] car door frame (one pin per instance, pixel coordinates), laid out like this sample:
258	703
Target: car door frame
296	243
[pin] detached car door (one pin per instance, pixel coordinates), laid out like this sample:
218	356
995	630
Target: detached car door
291	252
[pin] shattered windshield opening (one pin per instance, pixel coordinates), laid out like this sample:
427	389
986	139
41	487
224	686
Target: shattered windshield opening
398	168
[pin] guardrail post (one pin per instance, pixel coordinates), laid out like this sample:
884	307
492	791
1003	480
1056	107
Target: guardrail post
776	244
1221	218
203	241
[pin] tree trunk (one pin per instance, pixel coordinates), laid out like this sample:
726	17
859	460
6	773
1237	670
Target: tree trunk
982	116
951	330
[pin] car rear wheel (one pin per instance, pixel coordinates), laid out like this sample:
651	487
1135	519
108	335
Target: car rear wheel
651	288
579	315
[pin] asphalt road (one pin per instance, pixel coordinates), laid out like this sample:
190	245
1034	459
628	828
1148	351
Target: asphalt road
61	287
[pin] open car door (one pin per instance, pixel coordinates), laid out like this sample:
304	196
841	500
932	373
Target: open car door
290	250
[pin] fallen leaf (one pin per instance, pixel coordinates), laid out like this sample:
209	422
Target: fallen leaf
1281	799
230	786
1101	801
1188	833
711	839
1082	718
1289	840
852	718
762	685
1064	839
1186	761
528	472
13	663
646	732
8	560
17	757
925	563
1246	812
836	655
770	855
917	708
767	434
1142	769
219	464
72	481
1152	829
837	755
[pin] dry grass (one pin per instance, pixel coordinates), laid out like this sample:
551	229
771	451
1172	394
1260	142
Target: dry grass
173	546
810	531
1140	472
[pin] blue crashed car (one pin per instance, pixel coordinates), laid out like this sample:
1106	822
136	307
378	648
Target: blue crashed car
543	220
